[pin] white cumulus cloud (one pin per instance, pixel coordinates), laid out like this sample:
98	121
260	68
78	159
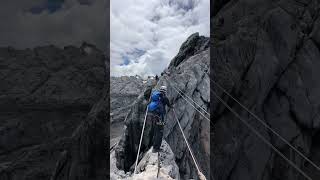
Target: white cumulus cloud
146	34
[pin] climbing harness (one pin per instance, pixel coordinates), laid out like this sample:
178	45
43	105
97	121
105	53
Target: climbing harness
261	137
142	131
266	125
160	123
201	176
185	139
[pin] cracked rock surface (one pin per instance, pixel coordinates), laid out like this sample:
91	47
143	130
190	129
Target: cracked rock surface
188	71
266	54
124	91
51	104
148	166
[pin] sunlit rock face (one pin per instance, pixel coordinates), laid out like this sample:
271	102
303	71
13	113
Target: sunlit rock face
189	71
148	166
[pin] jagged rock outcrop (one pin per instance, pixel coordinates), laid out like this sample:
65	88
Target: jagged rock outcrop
266	54
193	45
53	107
124	91
191	75
148	166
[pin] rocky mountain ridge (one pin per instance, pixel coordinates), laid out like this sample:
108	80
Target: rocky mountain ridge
54	113
124	91
189	71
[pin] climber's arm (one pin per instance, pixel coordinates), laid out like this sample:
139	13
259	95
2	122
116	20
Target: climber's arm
168	102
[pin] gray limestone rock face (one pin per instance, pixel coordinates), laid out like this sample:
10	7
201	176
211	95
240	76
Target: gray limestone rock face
189	71
51	102
123	92
266	55
148	166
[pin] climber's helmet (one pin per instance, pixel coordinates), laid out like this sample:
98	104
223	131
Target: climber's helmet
163	89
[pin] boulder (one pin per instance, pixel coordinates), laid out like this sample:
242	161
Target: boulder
148	166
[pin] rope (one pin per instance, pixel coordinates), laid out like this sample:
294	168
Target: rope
185	139
268	127
191	99
188	97
112	147
144	123
189	102
141	137
261	137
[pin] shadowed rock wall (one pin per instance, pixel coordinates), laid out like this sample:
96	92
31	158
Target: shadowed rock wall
266	54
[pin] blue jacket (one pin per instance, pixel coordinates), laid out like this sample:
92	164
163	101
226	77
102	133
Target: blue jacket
162	106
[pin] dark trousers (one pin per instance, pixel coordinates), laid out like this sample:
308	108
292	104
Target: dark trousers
154	131
157	137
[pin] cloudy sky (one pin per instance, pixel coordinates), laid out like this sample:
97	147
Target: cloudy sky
146	34
30	23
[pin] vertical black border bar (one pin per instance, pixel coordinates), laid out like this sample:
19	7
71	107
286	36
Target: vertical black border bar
107	62
212	9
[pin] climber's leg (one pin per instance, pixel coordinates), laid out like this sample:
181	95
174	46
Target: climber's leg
158	137
149	131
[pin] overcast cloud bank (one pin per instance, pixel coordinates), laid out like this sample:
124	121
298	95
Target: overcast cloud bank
27	24
146	35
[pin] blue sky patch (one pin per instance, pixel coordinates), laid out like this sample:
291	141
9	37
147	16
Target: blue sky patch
147	47
126	61
135	54
138	52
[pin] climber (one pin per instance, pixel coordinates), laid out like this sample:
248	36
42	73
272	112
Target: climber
156	113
